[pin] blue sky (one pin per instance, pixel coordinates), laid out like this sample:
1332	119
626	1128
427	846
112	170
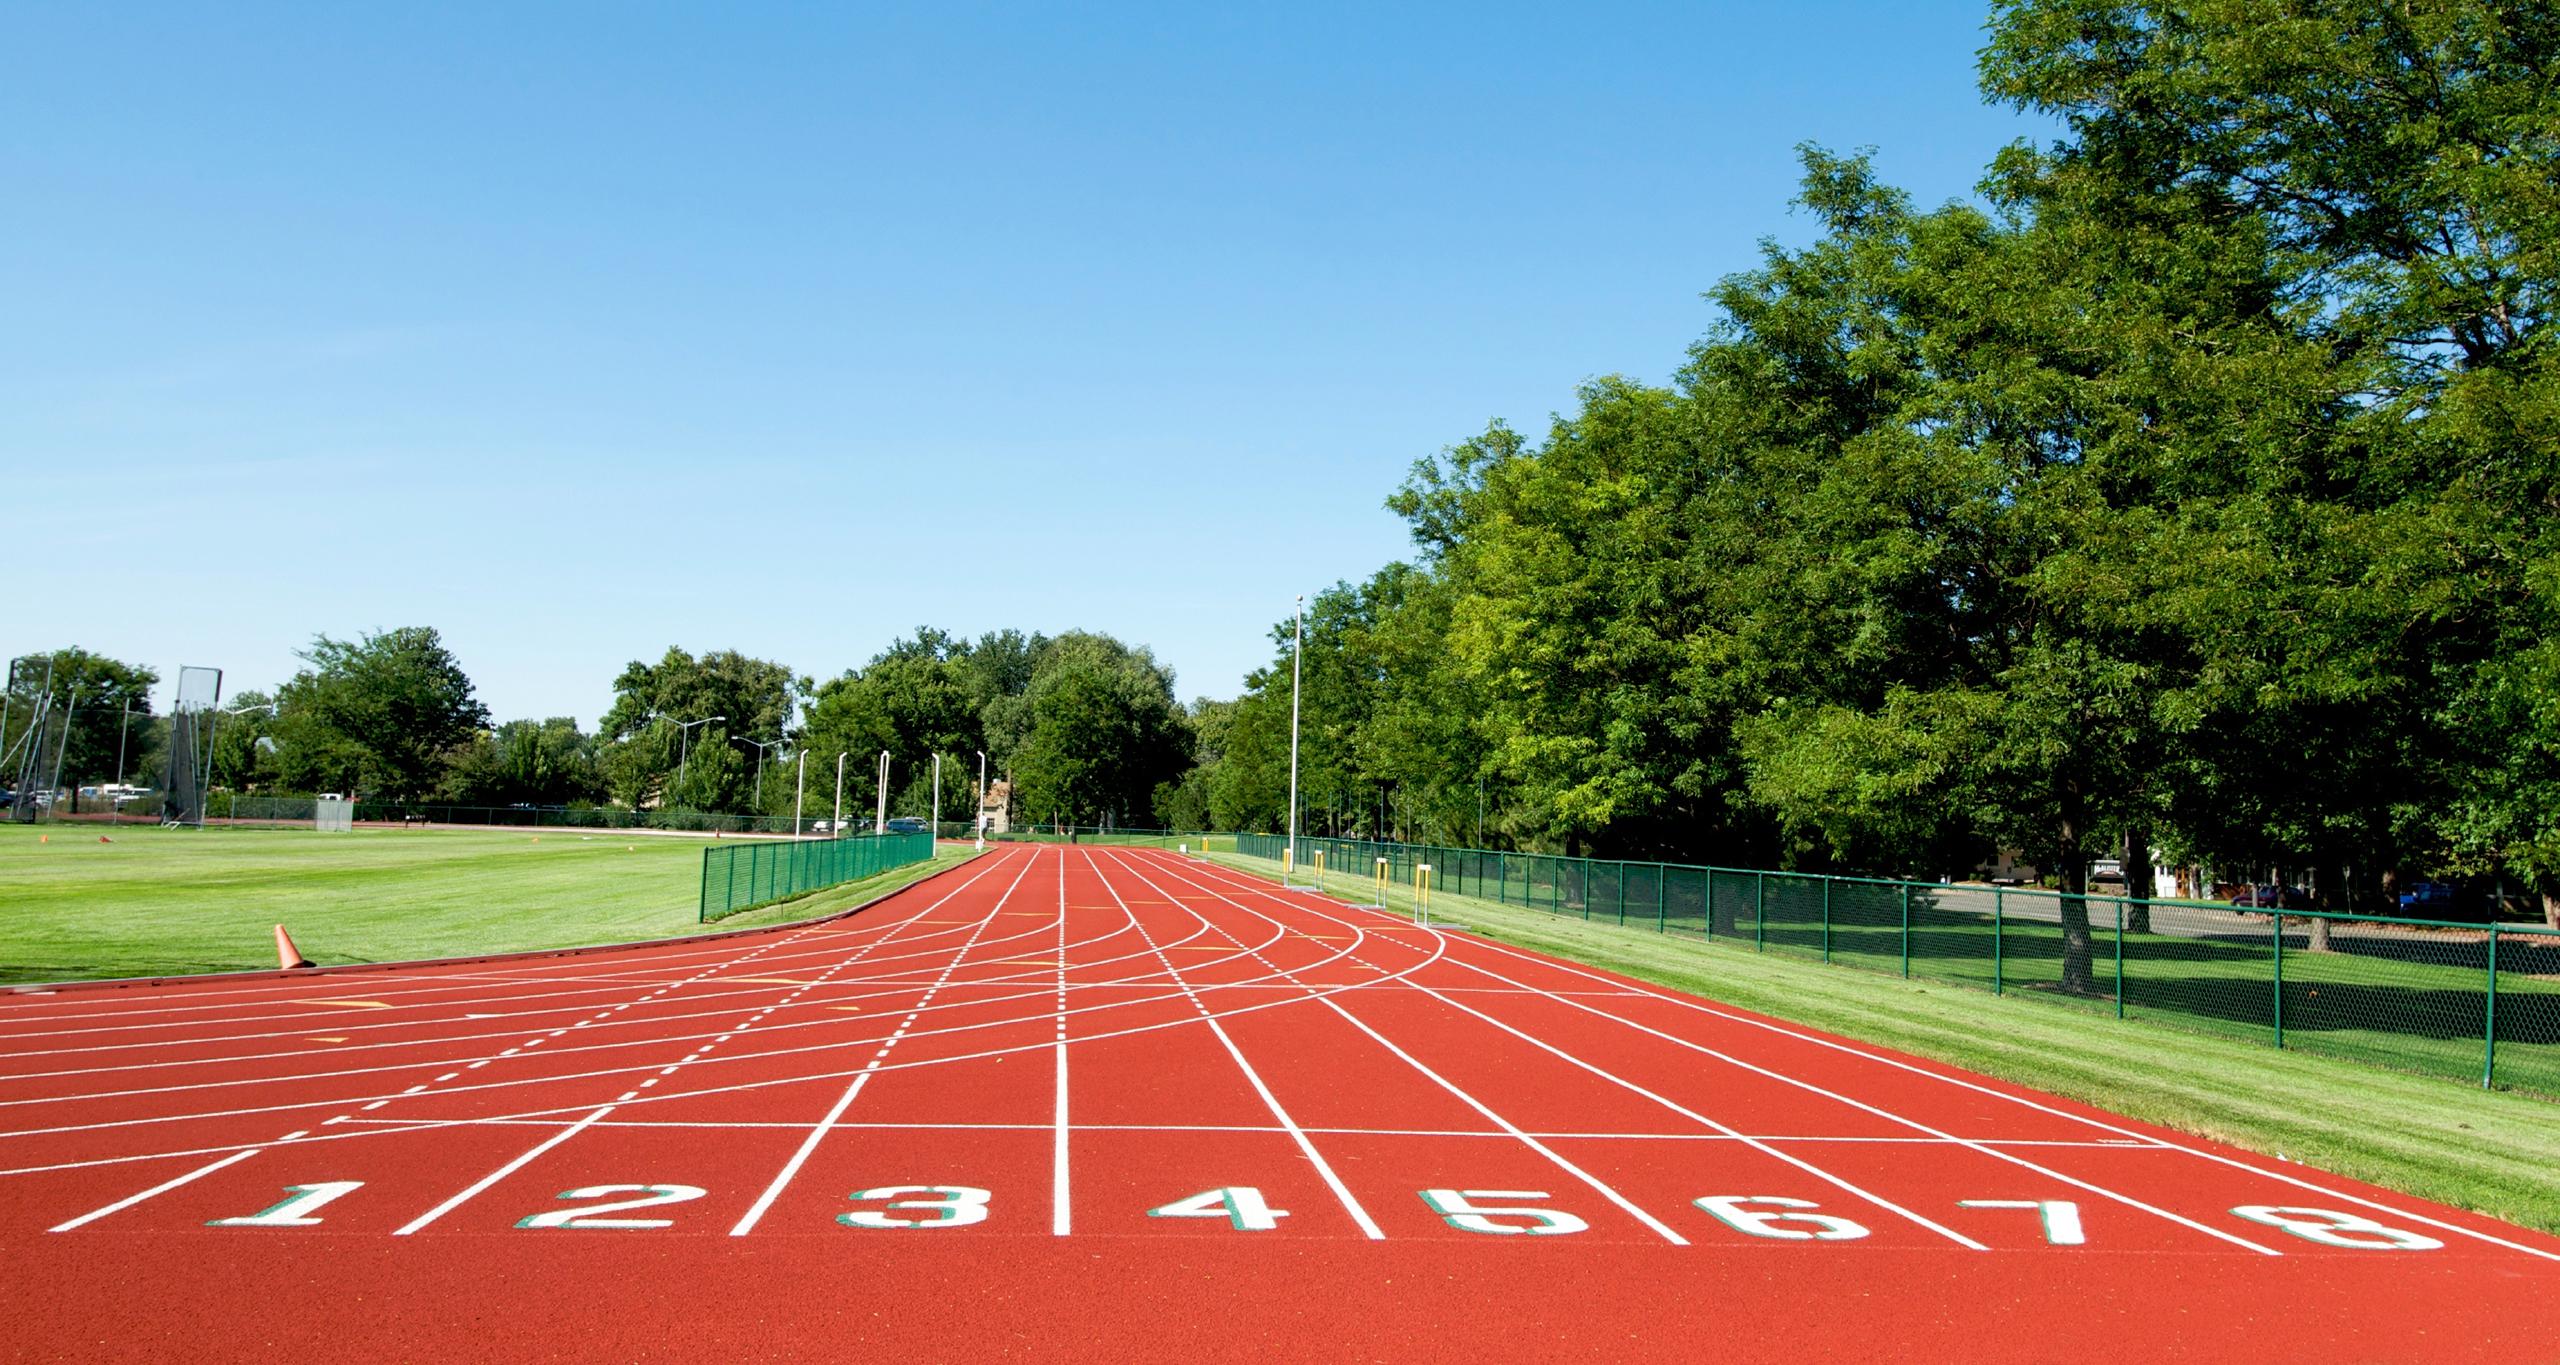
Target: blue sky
578	332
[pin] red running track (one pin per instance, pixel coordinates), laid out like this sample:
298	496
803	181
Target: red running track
1109	1104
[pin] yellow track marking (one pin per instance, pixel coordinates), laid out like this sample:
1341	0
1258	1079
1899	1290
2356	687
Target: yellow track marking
351	1004
328	1040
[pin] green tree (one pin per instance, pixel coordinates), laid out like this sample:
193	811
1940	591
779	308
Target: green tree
380	714
644	748
89	718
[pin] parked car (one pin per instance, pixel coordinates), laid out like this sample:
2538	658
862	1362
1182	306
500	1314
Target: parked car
906	824
2269	896
2428	900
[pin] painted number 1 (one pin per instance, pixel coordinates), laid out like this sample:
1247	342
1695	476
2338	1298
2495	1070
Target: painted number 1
294	1212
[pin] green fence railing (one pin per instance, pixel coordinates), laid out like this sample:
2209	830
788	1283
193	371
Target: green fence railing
742	876
2474	1002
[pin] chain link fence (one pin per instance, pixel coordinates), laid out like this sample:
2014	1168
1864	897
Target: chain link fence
2479	1003
737	877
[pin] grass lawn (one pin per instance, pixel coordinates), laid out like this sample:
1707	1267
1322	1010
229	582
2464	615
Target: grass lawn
2495	1152
160	902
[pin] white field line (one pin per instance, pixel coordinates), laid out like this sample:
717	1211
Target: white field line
1306	1145
499	1174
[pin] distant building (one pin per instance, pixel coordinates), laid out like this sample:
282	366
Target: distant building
995	808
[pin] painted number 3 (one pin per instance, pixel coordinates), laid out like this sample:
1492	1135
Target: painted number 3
956	1206
2333	1229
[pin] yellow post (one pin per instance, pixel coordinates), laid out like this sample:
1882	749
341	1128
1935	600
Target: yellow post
1382	883
1319	871
1422	894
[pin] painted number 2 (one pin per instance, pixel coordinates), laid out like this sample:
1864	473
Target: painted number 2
958	1206
1466	1215
586	1217
2332	1229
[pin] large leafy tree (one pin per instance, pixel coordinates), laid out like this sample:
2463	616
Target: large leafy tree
101	709
648	749
380	714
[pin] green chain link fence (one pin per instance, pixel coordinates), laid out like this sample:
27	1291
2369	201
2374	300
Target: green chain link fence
743	876
2476	1002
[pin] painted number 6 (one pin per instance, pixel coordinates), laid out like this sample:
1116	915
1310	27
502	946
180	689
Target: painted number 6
1765	1222
959	1206
2330	1228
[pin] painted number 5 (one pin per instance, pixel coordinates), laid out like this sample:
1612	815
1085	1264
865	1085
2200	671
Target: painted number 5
958	1206
586	1217
2330	1228
1466	1215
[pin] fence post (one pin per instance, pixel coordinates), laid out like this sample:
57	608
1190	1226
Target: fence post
2489	1025
1760	915
1502	877
1998	896
2119	957
1826	919
704	914
1906	931
1622	894
1661	898
2278	920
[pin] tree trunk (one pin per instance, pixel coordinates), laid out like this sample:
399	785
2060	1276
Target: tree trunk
2551	909
2327	892
2078	947
2137	880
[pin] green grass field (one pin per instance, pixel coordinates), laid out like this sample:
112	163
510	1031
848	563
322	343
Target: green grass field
2495	1152
158	902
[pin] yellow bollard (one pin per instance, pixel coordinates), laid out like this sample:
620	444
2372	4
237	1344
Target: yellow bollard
1422	894
1382	883
1319	871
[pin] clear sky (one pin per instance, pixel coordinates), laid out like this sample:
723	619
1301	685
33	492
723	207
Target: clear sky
578	332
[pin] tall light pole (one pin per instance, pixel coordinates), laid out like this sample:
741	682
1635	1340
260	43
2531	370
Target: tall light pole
880	822
836	826
933	822
684	748
982	798
115	802
761	746
799	791
1297	654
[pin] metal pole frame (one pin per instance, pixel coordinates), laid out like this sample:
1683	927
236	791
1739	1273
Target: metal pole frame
1999	898
1297	658
2489	1022
1906	931
2277	939
835	826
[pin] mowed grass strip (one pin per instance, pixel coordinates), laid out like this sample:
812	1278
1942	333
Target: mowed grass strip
158	902
2493	1152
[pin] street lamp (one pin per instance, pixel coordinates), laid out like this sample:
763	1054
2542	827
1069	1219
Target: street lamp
684	750
761	746
982	798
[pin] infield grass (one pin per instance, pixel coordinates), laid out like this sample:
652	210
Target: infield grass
161	902
2494	1152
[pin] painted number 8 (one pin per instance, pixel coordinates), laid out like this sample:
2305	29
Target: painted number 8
959	1206
2330	1228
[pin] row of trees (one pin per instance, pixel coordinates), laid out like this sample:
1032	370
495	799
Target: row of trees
2196	488
1086	727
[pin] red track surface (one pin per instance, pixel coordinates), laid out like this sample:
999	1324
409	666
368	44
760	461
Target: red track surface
1057	1041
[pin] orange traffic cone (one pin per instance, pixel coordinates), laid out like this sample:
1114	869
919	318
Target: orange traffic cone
288	957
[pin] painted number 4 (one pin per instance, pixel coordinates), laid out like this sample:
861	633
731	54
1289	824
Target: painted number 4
1241	1205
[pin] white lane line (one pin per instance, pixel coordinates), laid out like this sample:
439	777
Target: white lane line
1061	1210
130	1200
1552	1155
1306	1146
791	1168
2102	1191
499	1174
1685	1112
